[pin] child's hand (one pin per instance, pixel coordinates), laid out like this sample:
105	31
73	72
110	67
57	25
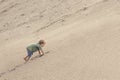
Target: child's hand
41	55
42	52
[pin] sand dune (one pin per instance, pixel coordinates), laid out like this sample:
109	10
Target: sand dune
82	39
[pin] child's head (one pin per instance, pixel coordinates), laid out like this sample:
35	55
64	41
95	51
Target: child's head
42	43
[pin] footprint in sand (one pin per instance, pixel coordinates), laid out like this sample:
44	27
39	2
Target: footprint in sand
17	66
2	74
11	70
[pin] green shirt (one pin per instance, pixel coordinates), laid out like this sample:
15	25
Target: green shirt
34	47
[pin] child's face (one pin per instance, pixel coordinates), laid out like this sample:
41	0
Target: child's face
42	45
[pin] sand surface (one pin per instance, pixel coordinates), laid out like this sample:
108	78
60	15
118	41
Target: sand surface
83	39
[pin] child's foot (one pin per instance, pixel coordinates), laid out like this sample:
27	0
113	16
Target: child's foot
25	59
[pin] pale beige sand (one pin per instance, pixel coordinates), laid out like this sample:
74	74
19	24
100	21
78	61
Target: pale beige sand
83	39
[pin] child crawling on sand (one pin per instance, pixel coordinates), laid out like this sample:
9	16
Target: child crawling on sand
33	48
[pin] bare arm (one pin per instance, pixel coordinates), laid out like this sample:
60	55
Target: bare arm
41	52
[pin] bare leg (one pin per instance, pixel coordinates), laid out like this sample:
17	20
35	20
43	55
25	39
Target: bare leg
26	58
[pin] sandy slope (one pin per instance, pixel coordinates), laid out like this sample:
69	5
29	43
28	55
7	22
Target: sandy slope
82	35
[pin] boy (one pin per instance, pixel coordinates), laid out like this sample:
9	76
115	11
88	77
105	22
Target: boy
33	48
